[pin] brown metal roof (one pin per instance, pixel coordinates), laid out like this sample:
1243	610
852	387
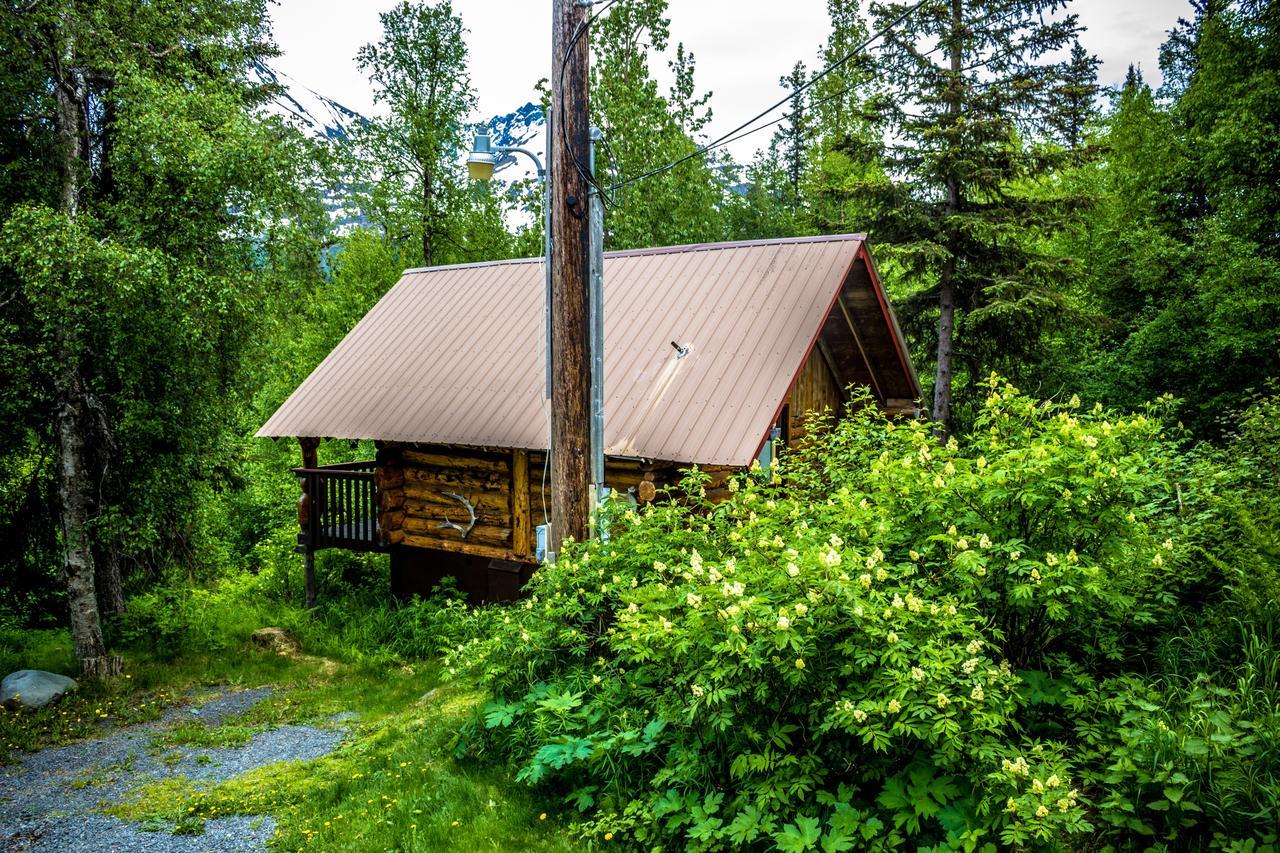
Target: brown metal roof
454	355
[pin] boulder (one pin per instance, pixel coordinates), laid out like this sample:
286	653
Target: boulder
33	688
277	640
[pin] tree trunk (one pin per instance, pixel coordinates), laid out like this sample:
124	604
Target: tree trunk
73	477
946	333
74	501
426	217
110	584
946	284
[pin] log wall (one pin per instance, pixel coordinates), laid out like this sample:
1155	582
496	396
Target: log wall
505	488
816	389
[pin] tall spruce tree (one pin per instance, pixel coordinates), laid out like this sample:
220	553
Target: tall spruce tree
1078	95
973	94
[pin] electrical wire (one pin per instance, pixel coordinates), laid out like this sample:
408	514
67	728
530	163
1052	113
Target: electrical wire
798	91
583	173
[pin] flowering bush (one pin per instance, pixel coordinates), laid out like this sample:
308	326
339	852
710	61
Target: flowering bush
840	653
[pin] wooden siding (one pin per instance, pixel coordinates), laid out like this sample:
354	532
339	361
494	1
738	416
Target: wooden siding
505	488
815	390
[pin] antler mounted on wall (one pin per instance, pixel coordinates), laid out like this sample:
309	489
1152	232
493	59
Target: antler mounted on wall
470	507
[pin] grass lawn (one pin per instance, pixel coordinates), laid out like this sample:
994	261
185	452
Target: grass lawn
392	785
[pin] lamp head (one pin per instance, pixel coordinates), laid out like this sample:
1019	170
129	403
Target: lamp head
482	159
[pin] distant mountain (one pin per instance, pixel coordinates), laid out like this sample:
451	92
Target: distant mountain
305	108
323	118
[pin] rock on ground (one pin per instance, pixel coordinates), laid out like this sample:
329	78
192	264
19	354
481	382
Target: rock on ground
33	688
277	640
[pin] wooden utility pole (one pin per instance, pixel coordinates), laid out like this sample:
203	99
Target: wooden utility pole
570	292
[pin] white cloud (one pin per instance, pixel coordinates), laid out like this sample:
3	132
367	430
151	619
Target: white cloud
742	47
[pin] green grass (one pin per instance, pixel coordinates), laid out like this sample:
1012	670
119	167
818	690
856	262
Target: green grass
392	785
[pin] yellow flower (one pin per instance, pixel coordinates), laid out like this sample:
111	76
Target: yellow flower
891	638
894	706
962	545
542	816
914	555
608	836
941	701
1042	812
799	663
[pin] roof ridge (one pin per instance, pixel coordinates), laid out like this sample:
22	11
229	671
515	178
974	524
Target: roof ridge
659	250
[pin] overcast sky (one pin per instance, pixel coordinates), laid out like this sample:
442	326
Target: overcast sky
742	47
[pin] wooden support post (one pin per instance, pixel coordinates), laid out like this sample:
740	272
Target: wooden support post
521	515
570	293
306	512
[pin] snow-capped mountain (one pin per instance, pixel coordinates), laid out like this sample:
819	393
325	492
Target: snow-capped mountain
325	119
305	108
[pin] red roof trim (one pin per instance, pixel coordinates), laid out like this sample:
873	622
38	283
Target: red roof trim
813	342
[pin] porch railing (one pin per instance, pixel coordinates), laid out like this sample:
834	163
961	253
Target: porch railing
340	507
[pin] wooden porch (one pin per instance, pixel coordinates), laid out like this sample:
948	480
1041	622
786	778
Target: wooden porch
339	508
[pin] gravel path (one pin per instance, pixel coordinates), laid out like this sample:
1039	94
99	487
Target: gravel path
47	802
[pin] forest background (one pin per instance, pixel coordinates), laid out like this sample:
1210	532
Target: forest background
168	272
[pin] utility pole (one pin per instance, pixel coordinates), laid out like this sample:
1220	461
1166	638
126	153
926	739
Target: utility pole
571	415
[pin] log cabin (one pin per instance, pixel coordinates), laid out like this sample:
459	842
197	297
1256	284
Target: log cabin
714	354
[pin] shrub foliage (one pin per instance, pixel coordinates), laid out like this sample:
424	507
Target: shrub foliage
880	641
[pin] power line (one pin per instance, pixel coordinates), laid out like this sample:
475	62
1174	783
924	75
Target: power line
724	139
588	178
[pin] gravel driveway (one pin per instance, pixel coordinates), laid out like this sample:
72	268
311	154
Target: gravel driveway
48	801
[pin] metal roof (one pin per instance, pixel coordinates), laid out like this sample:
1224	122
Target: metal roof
455	355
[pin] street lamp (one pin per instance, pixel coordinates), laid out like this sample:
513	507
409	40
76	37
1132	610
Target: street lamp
484	158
